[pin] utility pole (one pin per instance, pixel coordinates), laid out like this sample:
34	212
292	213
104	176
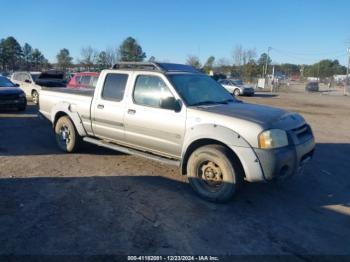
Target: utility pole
347	84
267	58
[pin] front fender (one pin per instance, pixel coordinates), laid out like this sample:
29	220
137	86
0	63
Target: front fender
233	140
68	109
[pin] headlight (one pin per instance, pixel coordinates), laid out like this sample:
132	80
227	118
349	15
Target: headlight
273	138
22	95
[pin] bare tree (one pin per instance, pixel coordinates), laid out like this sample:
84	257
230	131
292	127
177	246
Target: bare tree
88	57
238	53
251	54
193	60
111	55
223	62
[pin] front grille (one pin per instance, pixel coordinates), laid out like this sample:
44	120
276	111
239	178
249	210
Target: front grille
9	97
303	132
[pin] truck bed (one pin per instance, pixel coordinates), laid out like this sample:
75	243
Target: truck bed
77	99
76	91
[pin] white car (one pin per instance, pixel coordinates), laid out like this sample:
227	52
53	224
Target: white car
236	87
32	82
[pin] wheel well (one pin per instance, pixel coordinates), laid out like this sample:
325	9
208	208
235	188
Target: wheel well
204	142
58	116
33	91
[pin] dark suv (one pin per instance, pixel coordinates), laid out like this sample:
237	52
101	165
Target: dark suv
312	87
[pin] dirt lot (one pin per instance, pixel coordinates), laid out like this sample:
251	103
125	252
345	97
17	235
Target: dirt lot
104	202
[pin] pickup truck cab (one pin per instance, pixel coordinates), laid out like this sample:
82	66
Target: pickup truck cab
177	115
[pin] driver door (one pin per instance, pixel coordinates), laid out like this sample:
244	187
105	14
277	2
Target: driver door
150	127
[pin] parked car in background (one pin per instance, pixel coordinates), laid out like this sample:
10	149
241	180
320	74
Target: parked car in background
32	82
83	80
236	87
176	115
68	76
312	87
11	96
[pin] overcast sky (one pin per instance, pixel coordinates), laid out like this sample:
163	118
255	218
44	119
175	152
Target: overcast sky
298	31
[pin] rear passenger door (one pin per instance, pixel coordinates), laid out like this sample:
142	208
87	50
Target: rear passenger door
108	108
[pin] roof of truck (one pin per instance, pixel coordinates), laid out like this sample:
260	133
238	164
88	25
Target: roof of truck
155	66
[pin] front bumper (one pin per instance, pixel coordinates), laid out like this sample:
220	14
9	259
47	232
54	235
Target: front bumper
10	104
247	92
286	161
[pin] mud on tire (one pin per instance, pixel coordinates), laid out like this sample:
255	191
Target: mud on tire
214	173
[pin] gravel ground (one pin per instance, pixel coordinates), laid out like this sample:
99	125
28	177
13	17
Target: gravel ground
104	202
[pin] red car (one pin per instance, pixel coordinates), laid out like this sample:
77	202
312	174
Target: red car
83	80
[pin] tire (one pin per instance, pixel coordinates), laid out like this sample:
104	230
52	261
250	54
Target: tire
35	97
214	173
236	92
67	137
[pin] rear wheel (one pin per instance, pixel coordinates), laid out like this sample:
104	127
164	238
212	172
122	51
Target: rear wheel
67	137
236	92
213	173
35	97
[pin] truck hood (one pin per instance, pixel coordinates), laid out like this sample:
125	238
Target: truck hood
265	116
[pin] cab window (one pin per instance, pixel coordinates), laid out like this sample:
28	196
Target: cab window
114	87
150	90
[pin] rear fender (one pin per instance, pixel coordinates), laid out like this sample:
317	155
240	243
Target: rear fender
69	110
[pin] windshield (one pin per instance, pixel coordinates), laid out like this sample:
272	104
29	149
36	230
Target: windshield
197	89
238	82
4	82
35	76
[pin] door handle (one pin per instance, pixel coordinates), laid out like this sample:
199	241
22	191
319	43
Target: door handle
132	111
100	106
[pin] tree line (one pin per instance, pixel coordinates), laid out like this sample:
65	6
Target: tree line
246	64
13	56
93	60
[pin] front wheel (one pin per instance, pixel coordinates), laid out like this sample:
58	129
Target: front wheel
236	92
67	137
214	173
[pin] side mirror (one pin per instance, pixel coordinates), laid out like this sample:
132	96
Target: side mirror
171	103
28	81
16	85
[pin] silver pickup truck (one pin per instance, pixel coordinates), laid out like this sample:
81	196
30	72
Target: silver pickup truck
177	115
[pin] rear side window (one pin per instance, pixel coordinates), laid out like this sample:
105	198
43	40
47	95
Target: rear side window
16	77
26	77
114	86
21	77
93	81
86	80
